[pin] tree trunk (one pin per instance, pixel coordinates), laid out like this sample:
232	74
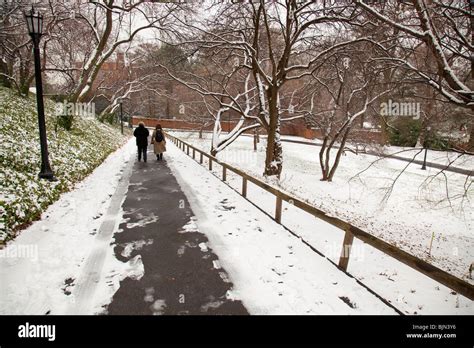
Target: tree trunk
420	141
255	140
274	151
338	155
321	158
327	169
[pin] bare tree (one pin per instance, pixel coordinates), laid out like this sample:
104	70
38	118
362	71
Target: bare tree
346	85
444	28
270	41
113	25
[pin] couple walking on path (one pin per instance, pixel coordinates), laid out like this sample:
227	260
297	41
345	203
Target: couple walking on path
157	139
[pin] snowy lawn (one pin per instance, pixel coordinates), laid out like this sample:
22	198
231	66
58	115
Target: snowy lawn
275	272
411	216
42	267
446	158
73	155
454	159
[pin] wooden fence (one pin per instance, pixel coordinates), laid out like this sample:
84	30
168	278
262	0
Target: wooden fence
351	232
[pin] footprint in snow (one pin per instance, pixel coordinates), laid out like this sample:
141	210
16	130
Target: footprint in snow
149	295
68	283
158	307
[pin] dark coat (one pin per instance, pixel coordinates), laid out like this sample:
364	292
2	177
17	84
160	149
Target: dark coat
141	133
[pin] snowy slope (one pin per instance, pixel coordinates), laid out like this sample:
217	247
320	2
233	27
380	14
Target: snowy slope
73	155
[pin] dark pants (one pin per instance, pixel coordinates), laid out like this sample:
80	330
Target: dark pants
142	149
159	156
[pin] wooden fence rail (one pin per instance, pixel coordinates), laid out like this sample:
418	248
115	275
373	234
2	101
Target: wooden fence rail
460	286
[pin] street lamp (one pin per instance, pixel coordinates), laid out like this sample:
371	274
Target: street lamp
423	167
121	115
34	20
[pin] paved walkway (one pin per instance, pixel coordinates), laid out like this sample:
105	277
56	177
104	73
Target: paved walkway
180	277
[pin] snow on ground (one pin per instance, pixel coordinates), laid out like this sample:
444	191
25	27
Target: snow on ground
405	222
452	158
39	270
273	272
414	214
64	264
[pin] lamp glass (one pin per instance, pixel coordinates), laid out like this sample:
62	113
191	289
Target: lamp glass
34	21
29	22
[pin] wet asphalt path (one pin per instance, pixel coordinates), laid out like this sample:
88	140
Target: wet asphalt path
181	275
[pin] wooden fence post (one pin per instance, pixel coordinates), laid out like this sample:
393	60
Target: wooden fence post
194	153
278	209
210	163
200	157
224	173
244	187
346	250
187	150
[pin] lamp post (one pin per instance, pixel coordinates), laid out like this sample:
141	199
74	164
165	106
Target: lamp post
34	20
423	167
121	116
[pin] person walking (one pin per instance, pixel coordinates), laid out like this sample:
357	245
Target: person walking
159	142
141	133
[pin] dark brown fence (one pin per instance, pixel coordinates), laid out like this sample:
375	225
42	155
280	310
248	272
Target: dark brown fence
351	232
